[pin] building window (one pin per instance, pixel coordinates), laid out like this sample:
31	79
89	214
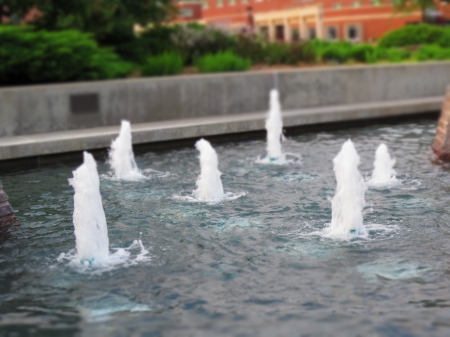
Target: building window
219	3
187	12
353	33
332	33
279	33
356	4
312	33
337	5
232	2
376	3
205	5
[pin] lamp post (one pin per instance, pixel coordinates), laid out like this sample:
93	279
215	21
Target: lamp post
250	20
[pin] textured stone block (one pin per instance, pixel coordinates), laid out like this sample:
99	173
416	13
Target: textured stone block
7	217
441	144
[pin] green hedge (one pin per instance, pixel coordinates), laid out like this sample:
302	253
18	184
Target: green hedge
222	62
28	56
165	64
432	52
412	35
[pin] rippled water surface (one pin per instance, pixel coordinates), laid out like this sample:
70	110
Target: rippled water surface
252	266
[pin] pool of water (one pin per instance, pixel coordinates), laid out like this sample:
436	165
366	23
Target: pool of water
256	265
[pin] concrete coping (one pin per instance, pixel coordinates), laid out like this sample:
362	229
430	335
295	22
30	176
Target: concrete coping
101	137
190	77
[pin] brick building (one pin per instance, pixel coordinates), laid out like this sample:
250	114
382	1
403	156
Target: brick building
290	20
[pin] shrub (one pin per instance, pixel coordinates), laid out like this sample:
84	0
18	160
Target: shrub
293	53
28	56
365	53
339	52
432	52
250	47
276	53
165	64
193	42
397	55
154	41
412	35
220	62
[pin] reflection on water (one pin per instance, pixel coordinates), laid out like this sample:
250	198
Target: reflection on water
256	265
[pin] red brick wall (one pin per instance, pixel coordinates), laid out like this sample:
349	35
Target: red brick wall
375	20
194	8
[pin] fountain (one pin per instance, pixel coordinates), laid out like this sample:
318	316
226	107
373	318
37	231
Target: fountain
383	173
7	217
274	127
348	201
121	156
209	185
91	231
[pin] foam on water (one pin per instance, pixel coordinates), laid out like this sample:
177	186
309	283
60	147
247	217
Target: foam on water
121	156
373	232
145	174
348	201
274	127
91	231
391	269
383	174
121	257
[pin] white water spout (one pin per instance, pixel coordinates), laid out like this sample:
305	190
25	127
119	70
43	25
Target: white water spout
91	231
121	156
274	127
383	173
209	185
348	201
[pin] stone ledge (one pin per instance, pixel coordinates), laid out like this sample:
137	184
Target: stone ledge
98	138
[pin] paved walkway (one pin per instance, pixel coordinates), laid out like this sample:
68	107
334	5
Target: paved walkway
97	138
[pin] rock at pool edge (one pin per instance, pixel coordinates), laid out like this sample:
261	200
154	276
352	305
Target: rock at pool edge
7	217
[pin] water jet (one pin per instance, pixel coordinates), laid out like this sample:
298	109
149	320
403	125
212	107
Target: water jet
348	201
121	156
209	184
383	172
91	231
274	127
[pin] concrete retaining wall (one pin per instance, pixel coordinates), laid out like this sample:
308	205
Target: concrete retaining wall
47	108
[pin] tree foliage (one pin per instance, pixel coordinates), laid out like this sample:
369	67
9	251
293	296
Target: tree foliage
408	6
101	17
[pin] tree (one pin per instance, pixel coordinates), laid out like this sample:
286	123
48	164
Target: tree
101	17
409	6
18	7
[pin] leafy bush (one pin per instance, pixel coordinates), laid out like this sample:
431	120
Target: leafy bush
165	64
136	49
366	53
250	47
259	51
339	52
194	41
412	35
225	61
276	53
432	52
397	55
28	56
